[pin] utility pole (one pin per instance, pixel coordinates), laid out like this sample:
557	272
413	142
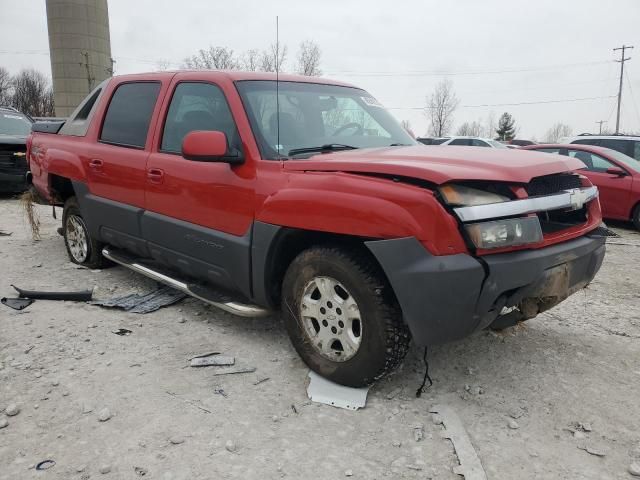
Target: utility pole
600	122
621	61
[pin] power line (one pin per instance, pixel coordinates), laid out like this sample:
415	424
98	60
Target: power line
621	61
453	73
633	98
540	102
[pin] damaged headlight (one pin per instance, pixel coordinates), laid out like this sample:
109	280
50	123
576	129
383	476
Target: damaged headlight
505	233
460	195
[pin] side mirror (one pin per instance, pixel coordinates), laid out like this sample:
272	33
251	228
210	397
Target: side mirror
208	146
616	171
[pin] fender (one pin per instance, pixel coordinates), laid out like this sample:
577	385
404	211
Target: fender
64	164
49	155
364	206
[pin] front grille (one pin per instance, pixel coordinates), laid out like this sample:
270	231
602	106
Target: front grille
550	184
557	220
10	162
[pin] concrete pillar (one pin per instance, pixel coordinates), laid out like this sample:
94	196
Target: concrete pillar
80	49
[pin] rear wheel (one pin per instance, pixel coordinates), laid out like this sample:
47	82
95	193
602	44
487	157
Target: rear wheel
81	247
342	316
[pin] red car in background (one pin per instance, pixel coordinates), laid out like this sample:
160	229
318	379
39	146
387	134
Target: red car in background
616	175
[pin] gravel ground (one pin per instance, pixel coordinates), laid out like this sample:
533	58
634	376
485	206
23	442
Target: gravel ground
533	399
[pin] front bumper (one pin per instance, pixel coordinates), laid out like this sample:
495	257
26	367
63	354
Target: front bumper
445	298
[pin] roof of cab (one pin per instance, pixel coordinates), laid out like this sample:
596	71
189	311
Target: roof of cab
234	75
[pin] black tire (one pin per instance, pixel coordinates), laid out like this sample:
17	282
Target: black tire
384	338
636	217
71	219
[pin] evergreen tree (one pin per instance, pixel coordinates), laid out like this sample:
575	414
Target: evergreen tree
506	127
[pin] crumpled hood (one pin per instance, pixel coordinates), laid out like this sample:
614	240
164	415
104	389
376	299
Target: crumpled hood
441	164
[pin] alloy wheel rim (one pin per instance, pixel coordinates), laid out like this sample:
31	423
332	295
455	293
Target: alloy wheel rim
331	319
77	238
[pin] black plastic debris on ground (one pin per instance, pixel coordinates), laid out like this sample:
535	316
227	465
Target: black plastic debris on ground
122	332
17	303
5	234
79	296
44	465
135	303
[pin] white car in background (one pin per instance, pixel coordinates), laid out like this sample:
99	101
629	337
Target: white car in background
474	142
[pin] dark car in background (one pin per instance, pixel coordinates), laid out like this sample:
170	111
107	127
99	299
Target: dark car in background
14	129
627	144
616	175
432	140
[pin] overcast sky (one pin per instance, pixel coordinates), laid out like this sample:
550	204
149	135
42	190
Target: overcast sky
496	52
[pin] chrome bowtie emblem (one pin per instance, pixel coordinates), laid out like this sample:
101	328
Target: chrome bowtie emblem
578	198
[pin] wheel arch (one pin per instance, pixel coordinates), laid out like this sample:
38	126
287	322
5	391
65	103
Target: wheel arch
275	247
61	189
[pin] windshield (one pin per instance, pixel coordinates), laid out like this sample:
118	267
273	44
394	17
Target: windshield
313	115
497	144
628	161
14	124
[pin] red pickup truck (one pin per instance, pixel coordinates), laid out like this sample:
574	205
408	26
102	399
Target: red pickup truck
305	195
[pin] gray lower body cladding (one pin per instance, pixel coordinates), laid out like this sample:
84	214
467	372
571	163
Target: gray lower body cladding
446	298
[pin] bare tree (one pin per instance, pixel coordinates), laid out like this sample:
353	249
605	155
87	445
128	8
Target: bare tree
274	56
557	131
215	58
406	124
163	64
490	125
5	86
250	60
32	93
440	107
309	59
471	129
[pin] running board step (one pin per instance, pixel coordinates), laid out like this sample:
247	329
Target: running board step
209	295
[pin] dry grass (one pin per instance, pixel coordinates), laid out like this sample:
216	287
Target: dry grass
27	203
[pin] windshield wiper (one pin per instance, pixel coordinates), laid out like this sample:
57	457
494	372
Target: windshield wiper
329	147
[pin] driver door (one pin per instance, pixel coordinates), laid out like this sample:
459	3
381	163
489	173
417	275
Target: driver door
198	215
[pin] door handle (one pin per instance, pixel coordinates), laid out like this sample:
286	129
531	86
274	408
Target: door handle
155	175
96	164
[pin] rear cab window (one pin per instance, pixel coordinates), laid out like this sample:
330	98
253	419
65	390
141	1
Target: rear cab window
126	122
79	120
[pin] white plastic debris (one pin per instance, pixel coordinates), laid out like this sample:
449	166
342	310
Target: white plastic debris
324	391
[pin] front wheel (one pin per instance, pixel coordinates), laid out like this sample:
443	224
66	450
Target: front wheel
81	247
342	317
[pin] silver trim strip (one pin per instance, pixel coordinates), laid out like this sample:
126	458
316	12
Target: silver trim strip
573	199
240	309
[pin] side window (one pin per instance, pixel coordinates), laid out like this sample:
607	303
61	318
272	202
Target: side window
459	141
128	116
594	163
623	146
636	150
197	106
479	143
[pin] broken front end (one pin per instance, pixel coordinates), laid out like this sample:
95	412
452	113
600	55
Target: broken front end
530	247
